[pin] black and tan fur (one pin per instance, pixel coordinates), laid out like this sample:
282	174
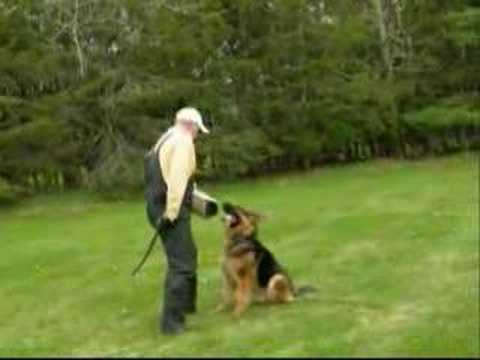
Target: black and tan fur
250	271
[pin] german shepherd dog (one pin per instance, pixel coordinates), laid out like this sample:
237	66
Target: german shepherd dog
250	271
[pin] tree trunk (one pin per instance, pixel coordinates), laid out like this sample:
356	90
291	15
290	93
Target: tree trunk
75	36
395	43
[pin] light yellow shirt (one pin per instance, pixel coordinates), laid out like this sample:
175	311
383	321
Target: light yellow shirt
178	162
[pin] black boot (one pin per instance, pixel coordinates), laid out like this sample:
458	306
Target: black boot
191	303
175	297
173	314
172	323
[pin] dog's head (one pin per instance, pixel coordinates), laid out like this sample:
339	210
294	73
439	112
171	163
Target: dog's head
239	221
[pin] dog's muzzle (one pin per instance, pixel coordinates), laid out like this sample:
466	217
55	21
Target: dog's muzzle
227	219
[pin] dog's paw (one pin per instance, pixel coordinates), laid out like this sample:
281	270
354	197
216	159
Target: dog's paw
220	308
239	311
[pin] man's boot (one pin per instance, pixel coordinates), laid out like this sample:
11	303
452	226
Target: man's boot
172	324
173	318
191	301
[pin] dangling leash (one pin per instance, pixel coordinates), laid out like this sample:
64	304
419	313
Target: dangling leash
149	250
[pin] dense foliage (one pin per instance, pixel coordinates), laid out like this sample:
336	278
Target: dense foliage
86	86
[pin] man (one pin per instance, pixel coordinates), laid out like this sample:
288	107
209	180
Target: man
168	209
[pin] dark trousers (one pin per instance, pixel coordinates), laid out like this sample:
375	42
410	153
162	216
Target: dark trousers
180	287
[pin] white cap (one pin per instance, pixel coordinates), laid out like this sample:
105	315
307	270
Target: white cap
193	115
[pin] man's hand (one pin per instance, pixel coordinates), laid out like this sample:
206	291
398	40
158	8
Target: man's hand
165	223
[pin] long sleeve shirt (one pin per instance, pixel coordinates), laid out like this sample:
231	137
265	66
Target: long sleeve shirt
178	162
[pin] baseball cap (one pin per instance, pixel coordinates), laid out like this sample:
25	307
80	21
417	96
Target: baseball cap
193	115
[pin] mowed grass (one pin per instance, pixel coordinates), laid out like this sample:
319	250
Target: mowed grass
392	247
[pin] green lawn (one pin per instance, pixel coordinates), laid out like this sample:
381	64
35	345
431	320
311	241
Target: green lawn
392	247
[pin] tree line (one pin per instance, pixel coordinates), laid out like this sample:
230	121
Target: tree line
86	86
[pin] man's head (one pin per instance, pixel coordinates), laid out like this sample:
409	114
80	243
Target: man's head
190	119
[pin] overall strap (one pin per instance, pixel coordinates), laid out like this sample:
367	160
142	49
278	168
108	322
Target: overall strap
156	148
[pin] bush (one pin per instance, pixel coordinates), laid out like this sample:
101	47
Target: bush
118	172
11	194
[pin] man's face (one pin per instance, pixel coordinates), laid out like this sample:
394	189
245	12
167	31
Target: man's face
193	130
191	127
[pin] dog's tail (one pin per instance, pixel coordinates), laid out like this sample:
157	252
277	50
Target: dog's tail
303	290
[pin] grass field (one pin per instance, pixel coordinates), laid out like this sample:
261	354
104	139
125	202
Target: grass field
392	246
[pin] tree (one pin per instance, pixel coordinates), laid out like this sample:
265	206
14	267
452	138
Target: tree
87	86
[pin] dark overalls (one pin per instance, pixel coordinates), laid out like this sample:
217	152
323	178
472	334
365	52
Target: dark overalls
180	290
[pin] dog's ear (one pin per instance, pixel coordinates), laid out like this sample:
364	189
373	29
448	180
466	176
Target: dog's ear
228	208
255	216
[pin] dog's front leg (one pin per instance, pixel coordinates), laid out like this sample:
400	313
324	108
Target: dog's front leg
226	297
227	291
243	294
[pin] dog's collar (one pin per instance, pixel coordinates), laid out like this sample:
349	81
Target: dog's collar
238	240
